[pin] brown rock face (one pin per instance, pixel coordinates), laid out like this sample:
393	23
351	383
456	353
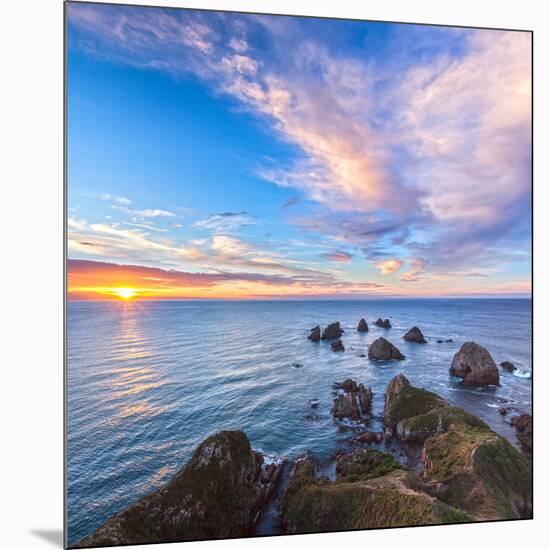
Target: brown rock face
383	324
315	335
354	403
362	326
382	350
474	364
524	431
415	335
336	345
332	331
506	365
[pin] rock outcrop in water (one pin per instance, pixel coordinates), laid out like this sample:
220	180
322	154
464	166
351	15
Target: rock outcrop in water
315	334
415	335
506	365
474	364
217	494
382	350
382	324
353	401
332	331
362	326
336	345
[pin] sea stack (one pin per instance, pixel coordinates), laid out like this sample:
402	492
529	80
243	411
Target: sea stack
332	331
415	335
474	364
362	326
382	350
336	345
315	335
382	324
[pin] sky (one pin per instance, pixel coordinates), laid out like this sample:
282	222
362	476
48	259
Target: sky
232	156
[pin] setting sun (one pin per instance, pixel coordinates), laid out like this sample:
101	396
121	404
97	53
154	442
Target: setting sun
125	293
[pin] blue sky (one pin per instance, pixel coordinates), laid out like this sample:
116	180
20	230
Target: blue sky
229	155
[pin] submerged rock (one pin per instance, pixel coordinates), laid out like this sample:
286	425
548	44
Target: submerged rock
332	331
524	431
336	345
370	437
415	335
474	364
363	326
315	334
383	324
506	365
217	494
382	350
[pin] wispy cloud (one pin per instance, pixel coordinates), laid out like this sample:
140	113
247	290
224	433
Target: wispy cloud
226	221
389	266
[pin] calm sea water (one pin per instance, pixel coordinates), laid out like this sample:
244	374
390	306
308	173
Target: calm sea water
148	381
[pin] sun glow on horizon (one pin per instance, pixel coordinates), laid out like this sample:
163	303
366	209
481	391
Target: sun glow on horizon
125	293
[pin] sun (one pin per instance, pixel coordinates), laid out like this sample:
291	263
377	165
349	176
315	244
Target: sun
125	293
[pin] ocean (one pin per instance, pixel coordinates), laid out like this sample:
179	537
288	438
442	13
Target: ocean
148	381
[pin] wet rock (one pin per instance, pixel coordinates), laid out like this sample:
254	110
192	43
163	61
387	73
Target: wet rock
315	335
370	437
474	364
362	326
440	341
336	345
312	417
382	350
524	432
449	340
297	365
383	324
506	365
188	508
362	355
354	403
415	335
313	403
332	331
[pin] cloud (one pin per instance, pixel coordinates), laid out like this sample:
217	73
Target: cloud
428	153
291	202
337	256
389	266
116	199
226	221
153	213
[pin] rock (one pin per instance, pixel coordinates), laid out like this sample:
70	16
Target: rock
440	341
332	331
370	437
312	417
506	365
474	364
315	335
449	340
362	355
336	345
313	403
372	490
524	431
354	403
439	420
405	401
297	365
217	494
415	335
503	411
484	474
382	350
362	326
383	324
